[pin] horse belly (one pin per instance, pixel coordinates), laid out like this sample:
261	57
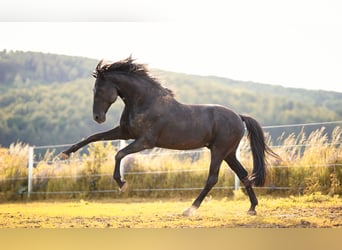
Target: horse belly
188	135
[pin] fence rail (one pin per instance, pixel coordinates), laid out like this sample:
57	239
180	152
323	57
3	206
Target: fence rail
236	186
32	162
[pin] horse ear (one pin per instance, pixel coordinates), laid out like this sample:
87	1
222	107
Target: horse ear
98	72
130	59
99	65
130	64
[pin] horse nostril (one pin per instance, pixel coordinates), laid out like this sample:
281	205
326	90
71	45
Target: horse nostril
96	117
99	118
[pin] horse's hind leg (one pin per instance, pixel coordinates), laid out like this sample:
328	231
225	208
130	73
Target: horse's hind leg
243	176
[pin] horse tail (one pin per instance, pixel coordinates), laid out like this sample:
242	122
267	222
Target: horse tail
259	150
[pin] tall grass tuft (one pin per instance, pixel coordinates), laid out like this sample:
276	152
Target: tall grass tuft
13	170
310	163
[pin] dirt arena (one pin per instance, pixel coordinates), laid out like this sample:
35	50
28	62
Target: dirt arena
293	212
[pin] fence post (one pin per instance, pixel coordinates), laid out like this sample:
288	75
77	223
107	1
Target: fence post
236	179
122	163
30	171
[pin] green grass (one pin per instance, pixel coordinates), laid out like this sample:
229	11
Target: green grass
313	211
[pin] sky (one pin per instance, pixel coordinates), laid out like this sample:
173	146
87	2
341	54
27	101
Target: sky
293	43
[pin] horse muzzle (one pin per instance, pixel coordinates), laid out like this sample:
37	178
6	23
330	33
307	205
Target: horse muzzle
99	117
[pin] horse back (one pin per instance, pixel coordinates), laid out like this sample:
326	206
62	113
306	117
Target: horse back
193	126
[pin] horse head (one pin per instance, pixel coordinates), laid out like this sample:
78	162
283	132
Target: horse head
105	94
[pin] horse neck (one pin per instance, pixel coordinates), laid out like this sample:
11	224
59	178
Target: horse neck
132	90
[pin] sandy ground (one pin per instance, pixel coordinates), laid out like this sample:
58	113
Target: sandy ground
128	213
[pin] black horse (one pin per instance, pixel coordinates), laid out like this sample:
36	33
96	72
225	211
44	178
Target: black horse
152	117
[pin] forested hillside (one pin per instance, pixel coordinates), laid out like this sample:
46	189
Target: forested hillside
19	69
47	99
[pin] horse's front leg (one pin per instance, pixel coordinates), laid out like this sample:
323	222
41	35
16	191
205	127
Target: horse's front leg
215	163
113	134
136	146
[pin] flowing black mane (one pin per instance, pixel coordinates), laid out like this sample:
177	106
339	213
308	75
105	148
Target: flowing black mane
128	66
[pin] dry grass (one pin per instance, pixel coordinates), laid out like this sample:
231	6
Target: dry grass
314	211
310	163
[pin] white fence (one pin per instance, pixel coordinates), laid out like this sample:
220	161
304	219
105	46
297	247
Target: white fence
32	162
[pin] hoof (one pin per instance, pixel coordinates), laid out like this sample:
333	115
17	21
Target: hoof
124	187
251	212
191	211
62	156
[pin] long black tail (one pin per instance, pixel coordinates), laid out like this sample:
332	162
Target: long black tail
259	150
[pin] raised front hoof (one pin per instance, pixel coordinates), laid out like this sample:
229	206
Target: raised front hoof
191	211
62	156
251	212
124	187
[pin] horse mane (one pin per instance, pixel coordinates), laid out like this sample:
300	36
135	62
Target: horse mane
130	67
